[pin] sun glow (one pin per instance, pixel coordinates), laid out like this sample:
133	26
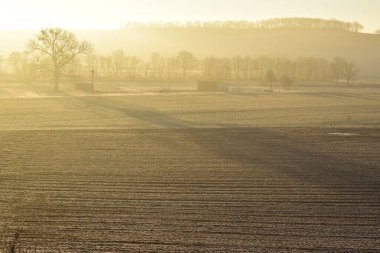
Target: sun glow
32	15
113	14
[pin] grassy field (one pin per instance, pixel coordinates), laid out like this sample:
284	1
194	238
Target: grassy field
204	172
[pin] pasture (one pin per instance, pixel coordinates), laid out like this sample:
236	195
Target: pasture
185	171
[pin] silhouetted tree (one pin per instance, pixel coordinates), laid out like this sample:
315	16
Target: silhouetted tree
133	63
186	60
270	77
350	71
23	66
17	60
105	66
237	65
263	63
60	47
337	68
172	68
287	82
216	68
157	64
118	60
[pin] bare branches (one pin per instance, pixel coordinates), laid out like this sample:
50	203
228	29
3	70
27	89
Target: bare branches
60	46
343	68
34	46
186	60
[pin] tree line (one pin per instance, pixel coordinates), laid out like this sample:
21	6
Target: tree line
56	54
268	24
185	66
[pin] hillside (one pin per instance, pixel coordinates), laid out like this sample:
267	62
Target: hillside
359	47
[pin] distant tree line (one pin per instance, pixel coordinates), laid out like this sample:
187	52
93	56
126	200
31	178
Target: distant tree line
311	23
119	66
276	23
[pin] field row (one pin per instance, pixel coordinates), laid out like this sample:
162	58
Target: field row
231	189
193	110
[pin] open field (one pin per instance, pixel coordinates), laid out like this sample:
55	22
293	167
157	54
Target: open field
312	107
204	172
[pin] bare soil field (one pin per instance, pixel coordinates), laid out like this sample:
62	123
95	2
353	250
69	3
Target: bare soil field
196	172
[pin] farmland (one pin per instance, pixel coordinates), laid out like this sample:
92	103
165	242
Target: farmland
188	171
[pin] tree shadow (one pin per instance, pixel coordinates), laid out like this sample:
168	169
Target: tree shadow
146	115
287	156
282	150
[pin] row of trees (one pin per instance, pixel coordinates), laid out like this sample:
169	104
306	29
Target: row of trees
311	23
53	54
118	66
276	23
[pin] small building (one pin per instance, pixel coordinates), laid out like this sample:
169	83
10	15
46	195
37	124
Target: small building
213	86
86	87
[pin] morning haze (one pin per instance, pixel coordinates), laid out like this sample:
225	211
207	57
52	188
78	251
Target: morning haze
189	126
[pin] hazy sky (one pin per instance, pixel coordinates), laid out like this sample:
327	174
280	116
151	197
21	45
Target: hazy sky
111	14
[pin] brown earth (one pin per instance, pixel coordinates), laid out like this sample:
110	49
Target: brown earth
198	172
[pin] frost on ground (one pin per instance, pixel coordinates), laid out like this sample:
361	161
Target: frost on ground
191	172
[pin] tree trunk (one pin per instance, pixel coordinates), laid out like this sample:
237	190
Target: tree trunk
56	81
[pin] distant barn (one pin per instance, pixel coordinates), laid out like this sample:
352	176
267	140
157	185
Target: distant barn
86	87
212	86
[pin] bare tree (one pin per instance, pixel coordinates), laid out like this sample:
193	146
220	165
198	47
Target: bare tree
16	60
337	67
236	64
60	47
350	71
186	60
172	68
270	77
23	66
287	82
155	60
216	68
105	64
119	60
133	63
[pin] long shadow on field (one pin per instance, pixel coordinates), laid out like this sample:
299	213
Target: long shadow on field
289	152
147	115
292	156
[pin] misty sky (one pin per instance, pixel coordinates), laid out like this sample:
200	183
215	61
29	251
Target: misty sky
111	14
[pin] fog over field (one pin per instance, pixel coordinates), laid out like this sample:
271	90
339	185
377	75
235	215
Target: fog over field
288	42
189	126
